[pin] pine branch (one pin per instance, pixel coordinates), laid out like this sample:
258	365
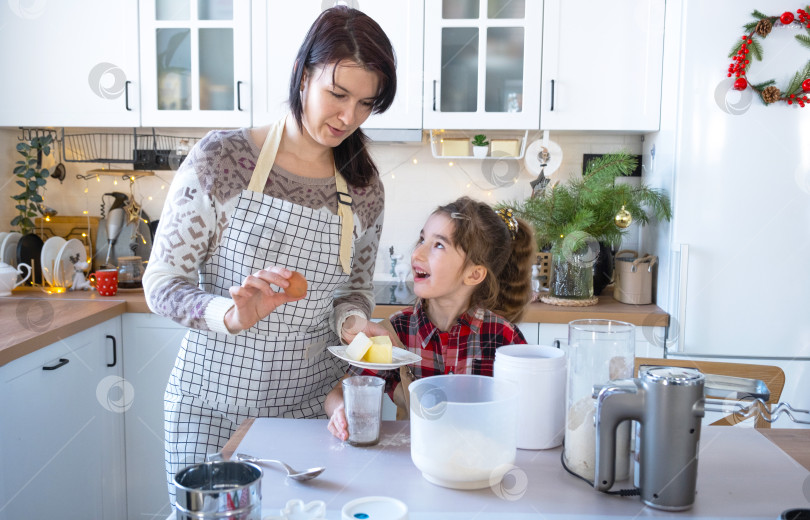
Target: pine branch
586	207
757	14
761	86
750	26
736	48
602	170
796	83
755	49
803	39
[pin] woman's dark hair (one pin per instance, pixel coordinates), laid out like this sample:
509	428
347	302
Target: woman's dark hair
487	240
341	33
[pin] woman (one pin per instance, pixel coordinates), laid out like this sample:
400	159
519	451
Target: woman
246	209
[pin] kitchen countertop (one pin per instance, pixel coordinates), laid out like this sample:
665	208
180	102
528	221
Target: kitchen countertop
34	319
725	476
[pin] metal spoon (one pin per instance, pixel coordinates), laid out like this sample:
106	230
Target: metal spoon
293	474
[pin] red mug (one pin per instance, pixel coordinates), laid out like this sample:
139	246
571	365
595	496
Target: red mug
106	281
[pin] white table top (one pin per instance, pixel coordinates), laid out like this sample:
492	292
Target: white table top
741	474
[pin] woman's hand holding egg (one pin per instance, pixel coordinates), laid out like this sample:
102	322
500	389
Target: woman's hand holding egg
255	299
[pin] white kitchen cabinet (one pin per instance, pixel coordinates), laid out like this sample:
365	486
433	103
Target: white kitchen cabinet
150	348
530	332
602	65
482	64
70	64
553	334
279	31
195	63
62	429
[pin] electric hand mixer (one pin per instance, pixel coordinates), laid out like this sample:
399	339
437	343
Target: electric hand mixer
114	220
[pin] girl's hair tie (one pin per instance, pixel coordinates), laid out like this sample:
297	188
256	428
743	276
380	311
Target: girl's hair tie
509	220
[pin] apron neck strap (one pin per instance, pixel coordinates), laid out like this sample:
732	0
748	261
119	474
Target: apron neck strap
267	157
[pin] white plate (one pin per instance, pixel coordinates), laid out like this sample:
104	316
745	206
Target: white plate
72	253
8	250
3	235
401	357
47	259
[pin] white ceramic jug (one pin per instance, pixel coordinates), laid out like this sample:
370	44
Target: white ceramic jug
8	277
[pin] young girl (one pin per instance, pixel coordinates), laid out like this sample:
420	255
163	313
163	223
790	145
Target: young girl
472	276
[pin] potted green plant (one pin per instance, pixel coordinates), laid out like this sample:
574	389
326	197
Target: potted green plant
31	176
573	218
480	146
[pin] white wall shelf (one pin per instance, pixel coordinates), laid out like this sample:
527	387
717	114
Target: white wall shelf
438	136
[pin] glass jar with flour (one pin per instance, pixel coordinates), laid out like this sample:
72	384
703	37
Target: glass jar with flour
598	351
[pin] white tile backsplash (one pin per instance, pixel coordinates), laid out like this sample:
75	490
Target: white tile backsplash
415	183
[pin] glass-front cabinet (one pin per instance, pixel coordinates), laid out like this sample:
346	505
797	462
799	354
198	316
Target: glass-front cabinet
482	64
195	63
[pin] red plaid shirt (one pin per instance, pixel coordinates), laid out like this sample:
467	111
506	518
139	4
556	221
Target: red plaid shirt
467	348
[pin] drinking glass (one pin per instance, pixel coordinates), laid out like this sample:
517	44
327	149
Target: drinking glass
362	397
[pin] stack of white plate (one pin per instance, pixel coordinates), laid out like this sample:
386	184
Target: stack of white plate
61	259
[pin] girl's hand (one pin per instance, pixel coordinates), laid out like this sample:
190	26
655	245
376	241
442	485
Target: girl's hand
337	423
355	324
255	299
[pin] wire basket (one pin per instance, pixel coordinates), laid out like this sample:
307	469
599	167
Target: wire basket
144	151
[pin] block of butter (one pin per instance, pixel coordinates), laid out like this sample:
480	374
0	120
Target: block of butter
380	351
358	347
377	349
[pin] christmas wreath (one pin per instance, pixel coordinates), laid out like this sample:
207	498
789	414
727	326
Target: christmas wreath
749	45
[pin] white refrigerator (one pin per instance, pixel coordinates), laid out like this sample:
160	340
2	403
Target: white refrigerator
735	260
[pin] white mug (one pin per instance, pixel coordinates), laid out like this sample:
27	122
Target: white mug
8	277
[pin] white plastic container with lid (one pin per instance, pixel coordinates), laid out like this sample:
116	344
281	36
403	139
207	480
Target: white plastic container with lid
540	374
375	508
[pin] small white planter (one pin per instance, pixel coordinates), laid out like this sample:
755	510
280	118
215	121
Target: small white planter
480	151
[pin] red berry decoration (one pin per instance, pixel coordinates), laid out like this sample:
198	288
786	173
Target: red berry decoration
741	58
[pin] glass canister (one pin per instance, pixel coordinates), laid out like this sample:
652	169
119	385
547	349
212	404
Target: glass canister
571	274
598	351
130	272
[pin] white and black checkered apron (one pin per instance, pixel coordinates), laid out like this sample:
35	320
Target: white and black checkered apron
279	367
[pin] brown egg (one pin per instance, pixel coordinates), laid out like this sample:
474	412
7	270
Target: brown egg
298	285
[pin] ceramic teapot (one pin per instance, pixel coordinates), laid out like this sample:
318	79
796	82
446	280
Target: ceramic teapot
8	277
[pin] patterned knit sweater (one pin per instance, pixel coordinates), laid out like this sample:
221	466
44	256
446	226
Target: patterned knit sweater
198	208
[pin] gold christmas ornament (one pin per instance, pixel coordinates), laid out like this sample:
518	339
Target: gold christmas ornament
623	218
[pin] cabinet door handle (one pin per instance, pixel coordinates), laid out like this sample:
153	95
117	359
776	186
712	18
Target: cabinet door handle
434	95
126	95
62	362
552	95
239	96
115	358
